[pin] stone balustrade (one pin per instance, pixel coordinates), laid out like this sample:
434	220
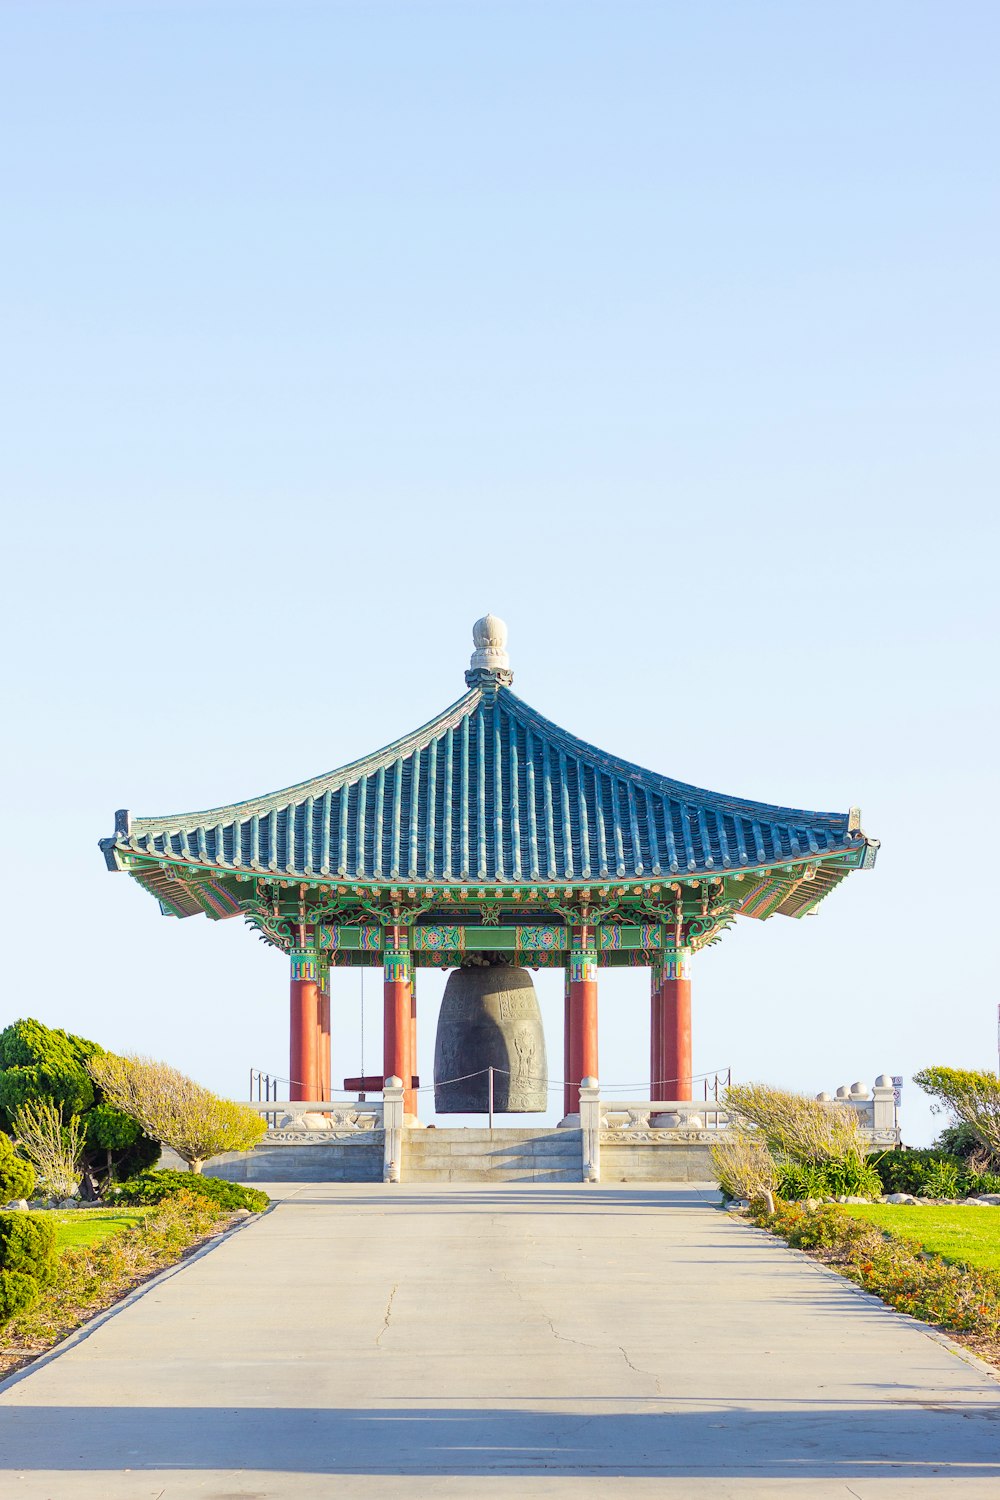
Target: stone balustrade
293	1122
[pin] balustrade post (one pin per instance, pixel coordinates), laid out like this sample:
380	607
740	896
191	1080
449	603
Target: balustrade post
590	1129
392	1124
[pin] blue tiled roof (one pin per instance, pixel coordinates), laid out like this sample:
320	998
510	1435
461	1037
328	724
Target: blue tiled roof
488	791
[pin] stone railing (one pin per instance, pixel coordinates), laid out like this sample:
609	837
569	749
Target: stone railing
696	1122
294	1122
877	1109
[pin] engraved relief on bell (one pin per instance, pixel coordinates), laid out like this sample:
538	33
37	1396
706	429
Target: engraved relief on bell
490	1017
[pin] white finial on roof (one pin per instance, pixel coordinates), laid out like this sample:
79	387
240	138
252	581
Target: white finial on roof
490	662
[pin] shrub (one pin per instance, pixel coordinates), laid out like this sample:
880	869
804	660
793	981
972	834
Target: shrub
18	1292
972	1098
959	1140
121	1141
943	1179
17	1177
27	1243
795	1127
810	1229
925	1285
175	1110
55	1150
932	1174
154	1187
743	1164
982	1182
42	1064
907	1171
852	1175
37	1062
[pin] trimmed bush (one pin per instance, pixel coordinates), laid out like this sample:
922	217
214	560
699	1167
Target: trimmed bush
853	1175
17	1177
153	1187
27	1243
120	1139
18	1292
41	1064
932	1174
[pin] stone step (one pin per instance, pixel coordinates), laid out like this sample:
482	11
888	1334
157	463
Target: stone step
506	1170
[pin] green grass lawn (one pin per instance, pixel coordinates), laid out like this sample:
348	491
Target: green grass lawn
971	1234
87	1226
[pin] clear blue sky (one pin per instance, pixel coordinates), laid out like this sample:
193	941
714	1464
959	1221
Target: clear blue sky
668	332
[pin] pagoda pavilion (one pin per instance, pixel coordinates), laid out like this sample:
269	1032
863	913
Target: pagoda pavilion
490	833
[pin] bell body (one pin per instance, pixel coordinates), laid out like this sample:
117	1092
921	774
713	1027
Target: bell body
490	1017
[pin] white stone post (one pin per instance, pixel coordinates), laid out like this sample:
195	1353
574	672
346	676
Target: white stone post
590	1129
884	1108
392	1124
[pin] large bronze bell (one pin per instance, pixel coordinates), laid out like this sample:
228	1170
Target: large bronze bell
490	1017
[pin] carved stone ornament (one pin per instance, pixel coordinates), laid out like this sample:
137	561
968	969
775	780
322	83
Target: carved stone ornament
489	662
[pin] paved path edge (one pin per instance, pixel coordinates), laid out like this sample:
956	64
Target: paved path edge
106	1314
937	1334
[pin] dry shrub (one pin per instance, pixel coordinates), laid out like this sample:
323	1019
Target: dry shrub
743	1164
175	1110
55	1150
794	1127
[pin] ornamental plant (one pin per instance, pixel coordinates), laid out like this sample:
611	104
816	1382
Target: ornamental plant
154	1187
971	1098
55	1150
27	1244
791	1145
174	1109
42	1063
18	1292
795	1127
743	1164
17	1176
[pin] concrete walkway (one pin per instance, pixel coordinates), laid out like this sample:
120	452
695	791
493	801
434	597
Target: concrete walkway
512	1341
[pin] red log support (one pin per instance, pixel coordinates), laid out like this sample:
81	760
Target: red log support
655	1035
399	1026
582	1016
304	1062
323	1039
568	1105
675	1030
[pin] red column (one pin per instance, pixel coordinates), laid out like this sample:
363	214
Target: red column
583	1014
655	1035
303	1060
323	1038
675	1056
568	1105
398	1025
412	1107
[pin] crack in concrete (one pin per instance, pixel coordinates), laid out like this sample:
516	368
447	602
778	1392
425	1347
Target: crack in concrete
580	1344
386	1316
650	1374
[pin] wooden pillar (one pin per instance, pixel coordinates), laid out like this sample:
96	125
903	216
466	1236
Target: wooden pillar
398	1023
323	1038
583	1060
413	1038
567	1047
675	1027
304	1026
656	1033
